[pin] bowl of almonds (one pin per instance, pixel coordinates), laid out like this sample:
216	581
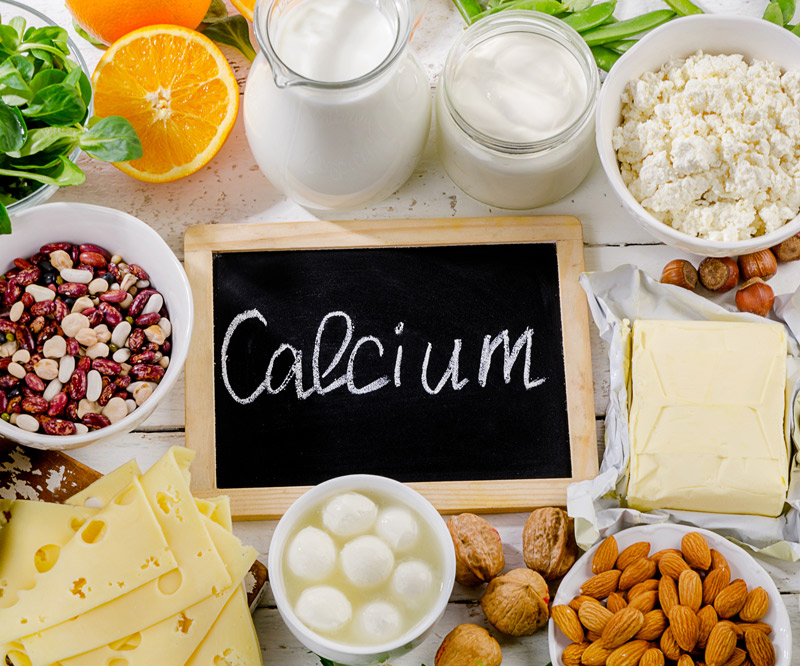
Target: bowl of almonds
668	594
96	316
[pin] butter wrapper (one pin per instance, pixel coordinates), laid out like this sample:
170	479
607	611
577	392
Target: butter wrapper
616	299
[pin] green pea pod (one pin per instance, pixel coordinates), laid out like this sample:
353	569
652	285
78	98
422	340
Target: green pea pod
468	9
788	8
629	28
551	7
773	14
683	7
592	17
621	45
605	58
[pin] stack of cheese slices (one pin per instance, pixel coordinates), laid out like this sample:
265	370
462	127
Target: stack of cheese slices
132	571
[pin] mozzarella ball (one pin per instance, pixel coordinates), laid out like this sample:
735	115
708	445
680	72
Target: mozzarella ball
367	561
312	554
323	608
412	581
397	527
349	514
379	620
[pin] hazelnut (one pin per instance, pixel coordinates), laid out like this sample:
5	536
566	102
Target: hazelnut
761	264
468	645
548	542
680	273
789	250
479	549
719	274
755	296
516	602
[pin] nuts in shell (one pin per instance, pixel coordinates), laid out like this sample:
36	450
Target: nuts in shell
548	542
479	549
761	264
719	274
680	273
468	645
755	296
516	602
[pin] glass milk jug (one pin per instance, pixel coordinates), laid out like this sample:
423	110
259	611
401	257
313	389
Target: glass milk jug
337	108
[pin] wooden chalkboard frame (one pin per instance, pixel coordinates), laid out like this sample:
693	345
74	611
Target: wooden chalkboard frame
202	242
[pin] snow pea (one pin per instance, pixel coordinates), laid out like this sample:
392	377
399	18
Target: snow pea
592	17
551	7
629	28
604	57
683	7
621	45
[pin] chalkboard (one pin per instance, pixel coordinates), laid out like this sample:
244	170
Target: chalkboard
441	365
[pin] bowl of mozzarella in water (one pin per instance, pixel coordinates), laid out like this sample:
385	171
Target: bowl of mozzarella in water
361	568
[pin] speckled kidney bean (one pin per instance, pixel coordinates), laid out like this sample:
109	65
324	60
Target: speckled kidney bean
22	264
34	405
113	296
58	427
147	373
89	247
7	381
34	382
42	308
106	394
140	301
136	340
95	421
85	364
14	405
25	338
94	259
71	412
95	318
52	247
4	363
58	404
60	310
27	300
112	316
73	289
146	320
138	271
13	292
73	347
144	357
77	384
106	366
7	326
35	326
123	381
28	276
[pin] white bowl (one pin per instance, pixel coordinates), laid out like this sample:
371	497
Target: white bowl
341	652
669	536
135	242
715	34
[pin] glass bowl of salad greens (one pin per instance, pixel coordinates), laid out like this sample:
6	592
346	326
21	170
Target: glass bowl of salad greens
46	112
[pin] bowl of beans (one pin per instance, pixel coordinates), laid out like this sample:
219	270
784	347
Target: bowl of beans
96	316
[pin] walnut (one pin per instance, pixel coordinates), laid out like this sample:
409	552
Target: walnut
548	542
516	602
468	645
479	550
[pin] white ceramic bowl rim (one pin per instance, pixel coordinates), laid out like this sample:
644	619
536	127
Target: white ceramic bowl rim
178	353
356	482
738	24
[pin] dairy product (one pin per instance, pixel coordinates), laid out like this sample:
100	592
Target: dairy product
349	514
312	554
707	417
379	620
412	581
514	110
367	561
397	527
323	608
707	145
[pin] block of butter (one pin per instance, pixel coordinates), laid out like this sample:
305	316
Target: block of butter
706	421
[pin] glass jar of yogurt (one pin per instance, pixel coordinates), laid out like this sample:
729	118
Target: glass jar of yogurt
337	109
515	110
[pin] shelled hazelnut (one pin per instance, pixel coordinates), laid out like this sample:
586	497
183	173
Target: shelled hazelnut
718	274
755	296
761	264
788	250
680	273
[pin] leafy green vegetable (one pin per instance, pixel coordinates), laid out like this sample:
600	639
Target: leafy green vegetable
788	8
82	33
232	31
773	14
44	101
216	12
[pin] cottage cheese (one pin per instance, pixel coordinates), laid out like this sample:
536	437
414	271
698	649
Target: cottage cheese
710	145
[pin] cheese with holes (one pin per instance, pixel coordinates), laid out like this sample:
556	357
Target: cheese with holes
201	571
707	417
102	491
99	563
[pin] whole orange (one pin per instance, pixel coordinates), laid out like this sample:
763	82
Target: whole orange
108	20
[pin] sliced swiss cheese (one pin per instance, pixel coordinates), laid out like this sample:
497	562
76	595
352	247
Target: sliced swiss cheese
707	417
99	563
107	487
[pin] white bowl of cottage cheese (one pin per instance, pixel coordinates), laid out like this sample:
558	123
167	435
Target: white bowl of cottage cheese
698	130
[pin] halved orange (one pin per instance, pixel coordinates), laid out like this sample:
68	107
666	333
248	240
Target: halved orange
245	7
177	90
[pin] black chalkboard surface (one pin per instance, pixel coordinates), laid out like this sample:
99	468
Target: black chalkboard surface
440	363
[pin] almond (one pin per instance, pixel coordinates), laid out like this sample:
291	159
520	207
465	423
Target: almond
567	620
696	551
685	660
669	646
605	556
685	627
656	557
720	645
646	586
737	658
615	602
759	647
576	602
571	656
708	620
716	580
594	616
718	560
690	590
667	594
655	624
730	601
601	585
632	553
652	657
739	630
755	606
622	626
645	602
758	626
637	572
593	636
629	654
671	565
595	655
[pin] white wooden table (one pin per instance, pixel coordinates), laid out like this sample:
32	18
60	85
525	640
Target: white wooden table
232	189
